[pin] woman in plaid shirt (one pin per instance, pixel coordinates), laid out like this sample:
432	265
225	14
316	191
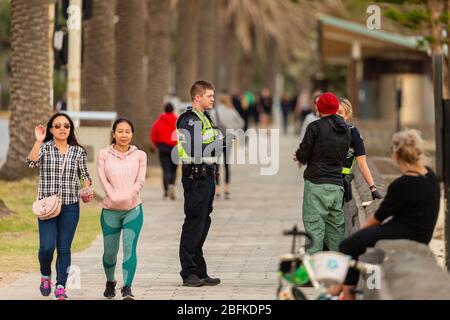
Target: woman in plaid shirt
51	145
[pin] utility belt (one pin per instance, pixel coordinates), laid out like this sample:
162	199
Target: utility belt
198	171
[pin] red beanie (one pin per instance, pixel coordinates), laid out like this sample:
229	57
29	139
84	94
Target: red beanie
327	103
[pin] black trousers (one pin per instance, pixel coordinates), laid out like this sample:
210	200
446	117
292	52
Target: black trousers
198	205
169	168
356	244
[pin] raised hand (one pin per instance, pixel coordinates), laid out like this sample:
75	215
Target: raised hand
40	132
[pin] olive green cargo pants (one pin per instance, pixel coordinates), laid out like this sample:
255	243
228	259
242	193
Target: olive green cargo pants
323	217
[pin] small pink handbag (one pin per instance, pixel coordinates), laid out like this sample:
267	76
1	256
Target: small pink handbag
49	207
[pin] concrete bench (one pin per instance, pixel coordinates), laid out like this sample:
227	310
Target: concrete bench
408	271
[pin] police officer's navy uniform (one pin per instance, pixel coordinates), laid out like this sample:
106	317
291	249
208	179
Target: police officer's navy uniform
197	135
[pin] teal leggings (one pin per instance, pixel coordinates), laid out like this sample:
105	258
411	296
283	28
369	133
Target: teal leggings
112	224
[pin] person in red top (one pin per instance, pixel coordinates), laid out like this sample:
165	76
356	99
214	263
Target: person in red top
164	138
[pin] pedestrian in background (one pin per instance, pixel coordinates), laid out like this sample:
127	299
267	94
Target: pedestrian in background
164	139
225	117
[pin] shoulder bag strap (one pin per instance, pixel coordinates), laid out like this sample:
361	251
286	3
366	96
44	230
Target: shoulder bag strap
62	169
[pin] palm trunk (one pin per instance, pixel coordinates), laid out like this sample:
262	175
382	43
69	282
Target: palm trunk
98	71
246	70
31	79
159	52
270	68
207	40
130	81
228	54
187	45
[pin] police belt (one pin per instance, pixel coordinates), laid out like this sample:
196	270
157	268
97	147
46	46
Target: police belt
200	160
195	171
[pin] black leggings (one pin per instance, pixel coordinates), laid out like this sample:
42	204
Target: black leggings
169	168
356	244
226	154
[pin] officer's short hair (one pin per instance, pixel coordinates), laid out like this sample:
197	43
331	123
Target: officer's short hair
200	87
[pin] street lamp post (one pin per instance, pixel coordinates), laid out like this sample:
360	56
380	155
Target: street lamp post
74	57
442	129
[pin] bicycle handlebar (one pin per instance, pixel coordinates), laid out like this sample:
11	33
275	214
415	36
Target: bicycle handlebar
295	232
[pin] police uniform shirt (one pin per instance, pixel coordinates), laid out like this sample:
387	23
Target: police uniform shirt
191	129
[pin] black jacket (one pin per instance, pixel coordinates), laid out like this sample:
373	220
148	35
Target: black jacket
324	149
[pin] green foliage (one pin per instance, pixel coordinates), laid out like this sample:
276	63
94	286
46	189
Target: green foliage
413	18
5	23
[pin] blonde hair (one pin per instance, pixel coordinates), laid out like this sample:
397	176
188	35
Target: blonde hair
225	99
408	146
347	107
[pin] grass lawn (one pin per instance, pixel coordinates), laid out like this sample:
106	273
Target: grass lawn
19	238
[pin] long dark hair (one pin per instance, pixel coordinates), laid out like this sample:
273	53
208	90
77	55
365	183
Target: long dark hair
72	139
116	123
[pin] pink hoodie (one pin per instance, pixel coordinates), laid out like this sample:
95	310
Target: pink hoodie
122	176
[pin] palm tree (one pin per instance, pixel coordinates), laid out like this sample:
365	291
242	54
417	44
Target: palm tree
159	54
31	79
98	71
187	48
207	40
271	29
130	54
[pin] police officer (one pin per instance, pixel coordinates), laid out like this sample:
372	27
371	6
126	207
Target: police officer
199	145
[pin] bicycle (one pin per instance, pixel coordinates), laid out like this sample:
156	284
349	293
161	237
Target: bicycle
320	270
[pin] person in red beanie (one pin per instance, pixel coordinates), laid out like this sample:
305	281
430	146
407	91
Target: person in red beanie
324	149
162	138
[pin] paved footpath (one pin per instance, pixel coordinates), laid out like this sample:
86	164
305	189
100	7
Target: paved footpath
243	246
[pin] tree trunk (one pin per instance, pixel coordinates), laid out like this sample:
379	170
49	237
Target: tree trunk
186	60
31	79
159	53
207	40
130	81
98	70
246	71
270	66
228	54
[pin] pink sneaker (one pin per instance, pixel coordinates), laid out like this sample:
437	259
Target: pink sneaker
46	286
60	293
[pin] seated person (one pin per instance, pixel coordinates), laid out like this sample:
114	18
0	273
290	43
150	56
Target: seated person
412	201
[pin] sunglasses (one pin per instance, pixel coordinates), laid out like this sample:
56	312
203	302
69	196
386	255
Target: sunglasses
58	126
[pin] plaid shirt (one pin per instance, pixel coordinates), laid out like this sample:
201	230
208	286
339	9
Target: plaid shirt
50	181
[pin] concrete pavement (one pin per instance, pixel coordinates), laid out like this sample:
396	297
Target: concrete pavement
243	246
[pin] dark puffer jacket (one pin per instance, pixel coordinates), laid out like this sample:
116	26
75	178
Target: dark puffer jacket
324	149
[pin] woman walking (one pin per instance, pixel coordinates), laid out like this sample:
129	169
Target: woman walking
225	116
56	145
121	168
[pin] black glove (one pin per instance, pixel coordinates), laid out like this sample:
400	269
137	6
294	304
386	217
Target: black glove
376	195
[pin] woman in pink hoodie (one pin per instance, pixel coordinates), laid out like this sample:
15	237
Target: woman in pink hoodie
121	168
